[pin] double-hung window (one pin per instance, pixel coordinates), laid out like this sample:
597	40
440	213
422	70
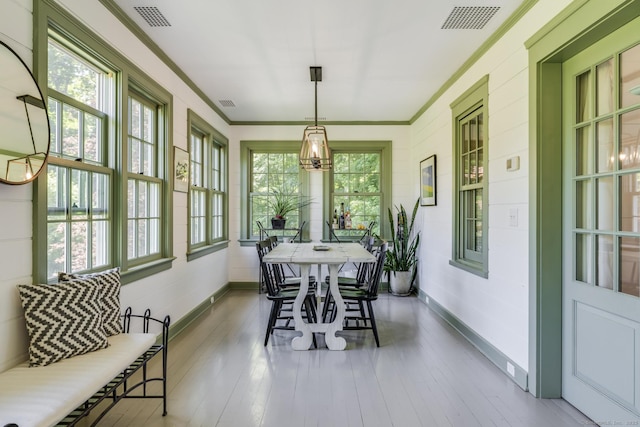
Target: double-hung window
79	178
269	168
104	200
359	186
471	189
144	182
208	188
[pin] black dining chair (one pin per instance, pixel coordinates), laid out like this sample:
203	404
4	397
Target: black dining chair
361	317
282	300
284	279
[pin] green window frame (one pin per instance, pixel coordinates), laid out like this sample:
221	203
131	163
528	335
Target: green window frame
82	205
471	189
269	166
144	179
361	179
208	189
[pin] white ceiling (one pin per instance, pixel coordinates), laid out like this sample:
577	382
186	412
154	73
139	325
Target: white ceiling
382	59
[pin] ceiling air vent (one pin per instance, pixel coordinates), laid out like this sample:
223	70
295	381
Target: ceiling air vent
469	17
152	15
226	103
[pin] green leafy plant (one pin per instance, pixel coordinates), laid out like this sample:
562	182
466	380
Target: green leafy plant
402	255
281	203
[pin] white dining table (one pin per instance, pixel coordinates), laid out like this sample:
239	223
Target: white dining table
306	255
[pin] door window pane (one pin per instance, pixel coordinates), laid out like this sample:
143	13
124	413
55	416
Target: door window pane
630	203
605	203
583	204
604	135
605	88
583	257
630	77
583	95
630	139
629	265
605	262
584	151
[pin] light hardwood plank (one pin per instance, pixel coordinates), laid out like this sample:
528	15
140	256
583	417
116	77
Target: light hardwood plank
424	374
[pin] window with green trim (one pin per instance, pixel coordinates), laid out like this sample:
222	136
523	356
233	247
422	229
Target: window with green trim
471	189
105	193
144	183
79	178
357	193
270	167
208	188
360	180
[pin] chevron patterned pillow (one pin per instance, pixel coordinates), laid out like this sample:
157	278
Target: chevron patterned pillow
109	281
63	320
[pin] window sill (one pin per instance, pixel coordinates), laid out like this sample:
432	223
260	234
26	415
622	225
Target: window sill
470	267
146	270
206	250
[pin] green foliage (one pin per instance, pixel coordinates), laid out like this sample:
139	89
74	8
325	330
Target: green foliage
280	203
402	255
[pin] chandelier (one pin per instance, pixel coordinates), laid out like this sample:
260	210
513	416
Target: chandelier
315	153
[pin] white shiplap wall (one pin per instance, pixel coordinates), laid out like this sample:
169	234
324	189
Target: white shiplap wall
496	308
174	292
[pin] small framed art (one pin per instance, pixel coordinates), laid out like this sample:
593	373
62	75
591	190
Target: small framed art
181	170
428	181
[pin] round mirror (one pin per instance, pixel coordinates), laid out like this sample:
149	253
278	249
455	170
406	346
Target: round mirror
24	123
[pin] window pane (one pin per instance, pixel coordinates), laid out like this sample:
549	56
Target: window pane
91	128
100	244
629	264
135	118
79	246
604	135
605	203
583	95
630	202
79	194
100	196
629	77
630	139
584	151
583	204
583	258
605	262
71	132
57	248
605	87
53	108
56	192
73	77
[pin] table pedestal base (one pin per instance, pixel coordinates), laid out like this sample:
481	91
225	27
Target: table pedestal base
329	329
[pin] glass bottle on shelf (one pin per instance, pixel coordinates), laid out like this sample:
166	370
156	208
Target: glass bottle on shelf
341	223
334	224
347	219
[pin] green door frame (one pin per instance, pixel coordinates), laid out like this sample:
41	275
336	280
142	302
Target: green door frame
574	29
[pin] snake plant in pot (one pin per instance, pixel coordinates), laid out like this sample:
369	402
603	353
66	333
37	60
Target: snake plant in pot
401	258
281	203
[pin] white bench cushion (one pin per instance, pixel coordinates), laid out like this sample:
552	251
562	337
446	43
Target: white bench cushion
42	396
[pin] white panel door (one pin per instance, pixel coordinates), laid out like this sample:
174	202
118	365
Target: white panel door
601	220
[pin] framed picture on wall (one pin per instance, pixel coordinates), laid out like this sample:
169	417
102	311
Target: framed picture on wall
180	170
428	181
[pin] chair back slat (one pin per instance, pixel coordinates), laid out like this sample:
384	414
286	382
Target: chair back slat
269	273
376	272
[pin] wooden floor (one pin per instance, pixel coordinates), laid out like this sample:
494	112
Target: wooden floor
424	374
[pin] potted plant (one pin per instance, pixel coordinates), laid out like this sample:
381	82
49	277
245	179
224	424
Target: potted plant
281	204
401	258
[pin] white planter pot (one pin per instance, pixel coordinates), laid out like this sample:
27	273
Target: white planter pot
400	283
